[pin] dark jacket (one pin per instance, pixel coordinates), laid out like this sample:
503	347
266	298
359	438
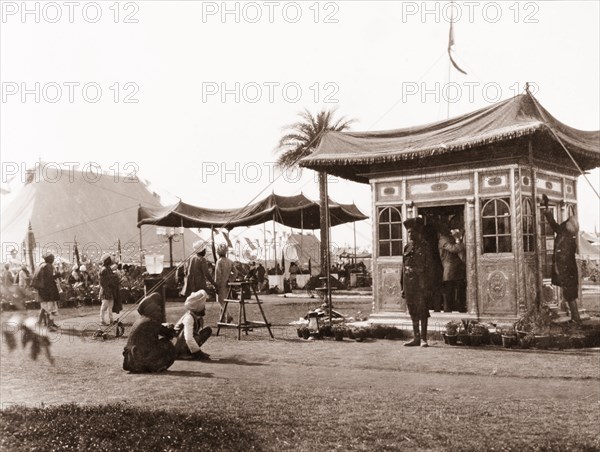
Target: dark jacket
260	272
454	267
437	270
417	268
149	347
564	266
196	275
43	281
109	283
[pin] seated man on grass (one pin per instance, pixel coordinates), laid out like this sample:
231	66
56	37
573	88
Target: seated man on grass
192	334
149	347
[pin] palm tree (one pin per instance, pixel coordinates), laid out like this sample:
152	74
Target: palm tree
301	140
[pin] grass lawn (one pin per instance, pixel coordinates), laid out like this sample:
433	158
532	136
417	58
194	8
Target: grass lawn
291	394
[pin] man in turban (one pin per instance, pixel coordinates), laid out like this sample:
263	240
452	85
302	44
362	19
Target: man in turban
149	347
192	334
197	272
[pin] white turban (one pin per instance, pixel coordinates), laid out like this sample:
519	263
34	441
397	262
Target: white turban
199	246
196	301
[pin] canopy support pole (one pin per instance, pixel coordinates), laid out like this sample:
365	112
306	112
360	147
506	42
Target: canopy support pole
274	244
183	256
536	233
265	244
354	230
325	237
301	236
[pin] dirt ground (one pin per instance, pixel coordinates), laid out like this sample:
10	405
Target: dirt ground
375	379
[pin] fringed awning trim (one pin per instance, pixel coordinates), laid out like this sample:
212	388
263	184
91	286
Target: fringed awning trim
429	151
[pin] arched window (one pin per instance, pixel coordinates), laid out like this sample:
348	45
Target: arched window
390	232
495	218
528	243
570	210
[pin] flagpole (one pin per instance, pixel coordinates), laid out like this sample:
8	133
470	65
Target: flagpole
450	39
30	247
451	61
448	98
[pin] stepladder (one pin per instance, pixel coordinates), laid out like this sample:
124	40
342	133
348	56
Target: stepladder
247	296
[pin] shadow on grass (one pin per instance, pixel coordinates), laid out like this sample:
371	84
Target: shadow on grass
236	361
187	373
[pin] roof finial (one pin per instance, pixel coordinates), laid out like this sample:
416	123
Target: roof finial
527	87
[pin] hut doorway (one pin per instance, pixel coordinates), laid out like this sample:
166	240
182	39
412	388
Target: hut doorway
446	232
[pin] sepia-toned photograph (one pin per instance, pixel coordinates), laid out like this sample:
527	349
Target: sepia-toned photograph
300	225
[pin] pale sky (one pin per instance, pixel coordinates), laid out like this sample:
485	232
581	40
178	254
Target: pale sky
376	62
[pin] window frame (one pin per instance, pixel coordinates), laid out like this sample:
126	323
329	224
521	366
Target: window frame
380	211
496	235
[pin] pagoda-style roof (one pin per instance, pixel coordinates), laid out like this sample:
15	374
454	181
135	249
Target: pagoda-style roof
352	155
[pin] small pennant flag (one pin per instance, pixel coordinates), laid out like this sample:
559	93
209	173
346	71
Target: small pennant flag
250	244
450	45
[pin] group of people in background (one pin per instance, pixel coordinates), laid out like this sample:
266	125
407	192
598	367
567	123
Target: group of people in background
19	280
53	283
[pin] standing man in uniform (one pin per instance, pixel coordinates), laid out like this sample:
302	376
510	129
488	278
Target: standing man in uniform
416	280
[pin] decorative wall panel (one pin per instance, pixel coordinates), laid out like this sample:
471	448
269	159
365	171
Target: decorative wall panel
390	288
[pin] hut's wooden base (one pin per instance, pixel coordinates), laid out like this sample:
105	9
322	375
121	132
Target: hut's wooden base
437	318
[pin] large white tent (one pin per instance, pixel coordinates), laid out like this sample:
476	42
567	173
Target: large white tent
98	211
